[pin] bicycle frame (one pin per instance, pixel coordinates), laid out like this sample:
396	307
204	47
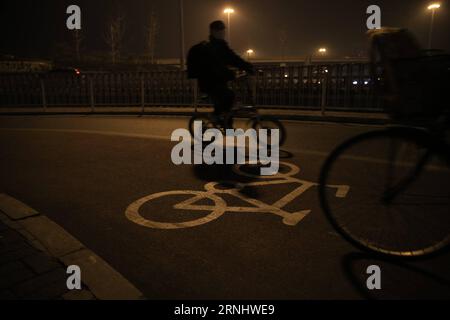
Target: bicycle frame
239	76
392	192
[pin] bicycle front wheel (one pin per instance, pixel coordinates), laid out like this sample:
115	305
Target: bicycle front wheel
399	192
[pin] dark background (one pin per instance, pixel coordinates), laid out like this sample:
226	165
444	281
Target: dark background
30	28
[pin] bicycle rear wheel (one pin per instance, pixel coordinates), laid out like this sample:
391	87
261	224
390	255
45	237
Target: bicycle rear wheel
206	124
268	122
416	221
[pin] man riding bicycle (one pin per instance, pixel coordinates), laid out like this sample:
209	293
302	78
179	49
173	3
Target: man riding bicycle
209	62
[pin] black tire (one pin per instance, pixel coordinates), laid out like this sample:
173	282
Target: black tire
207	123
425	229
268	122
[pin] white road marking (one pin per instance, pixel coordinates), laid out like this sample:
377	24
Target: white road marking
161	137
212	192
106	133
132	212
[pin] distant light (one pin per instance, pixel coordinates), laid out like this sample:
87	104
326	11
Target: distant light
323	50
326	70
366	82
434	6
286	75
228	10
250	51
355	82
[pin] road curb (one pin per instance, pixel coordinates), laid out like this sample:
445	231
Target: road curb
14	209
362	120
280	113
101	279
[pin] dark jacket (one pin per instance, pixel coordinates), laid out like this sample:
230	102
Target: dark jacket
215	70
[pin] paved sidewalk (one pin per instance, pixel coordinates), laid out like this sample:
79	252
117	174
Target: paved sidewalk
27	272
34	255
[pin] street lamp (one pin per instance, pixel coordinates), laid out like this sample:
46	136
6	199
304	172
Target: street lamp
321	51
432	7
181	7
229	11
249	53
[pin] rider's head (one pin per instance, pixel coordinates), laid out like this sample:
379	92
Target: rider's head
217	30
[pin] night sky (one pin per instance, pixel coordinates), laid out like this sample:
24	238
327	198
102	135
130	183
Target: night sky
31	28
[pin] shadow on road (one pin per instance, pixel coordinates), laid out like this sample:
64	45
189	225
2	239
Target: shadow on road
225	175
284	154
229	177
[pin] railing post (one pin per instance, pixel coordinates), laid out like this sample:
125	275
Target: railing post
254	90
91	94
142	95
44	98
324	93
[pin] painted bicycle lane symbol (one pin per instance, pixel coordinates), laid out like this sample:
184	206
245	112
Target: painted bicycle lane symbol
213	191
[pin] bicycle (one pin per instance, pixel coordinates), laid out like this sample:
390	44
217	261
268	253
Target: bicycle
399	206
213	190
249	111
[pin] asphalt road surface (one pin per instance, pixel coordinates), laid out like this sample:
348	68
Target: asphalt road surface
84	172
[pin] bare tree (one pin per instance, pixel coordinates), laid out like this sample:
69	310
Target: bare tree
152	35
114	36
77	40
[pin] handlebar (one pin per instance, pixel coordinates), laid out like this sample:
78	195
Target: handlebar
243	74
249	83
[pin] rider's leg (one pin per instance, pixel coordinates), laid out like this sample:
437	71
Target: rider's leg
223	98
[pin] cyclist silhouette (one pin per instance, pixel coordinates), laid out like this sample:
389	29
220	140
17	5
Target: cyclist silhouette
209	62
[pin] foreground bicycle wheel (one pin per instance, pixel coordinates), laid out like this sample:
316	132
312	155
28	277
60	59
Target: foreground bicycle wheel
414	220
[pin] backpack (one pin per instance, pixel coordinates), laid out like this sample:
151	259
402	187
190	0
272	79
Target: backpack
416	83
197	56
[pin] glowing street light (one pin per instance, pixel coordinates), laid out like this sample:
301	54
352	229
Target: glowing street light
249	53
320	52
229	11
432	7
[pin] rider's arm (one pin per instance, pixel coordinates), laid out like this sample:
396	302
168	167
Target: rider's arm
236	61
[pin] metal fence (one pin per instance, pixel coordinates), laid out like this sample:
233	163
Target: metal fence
332	87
